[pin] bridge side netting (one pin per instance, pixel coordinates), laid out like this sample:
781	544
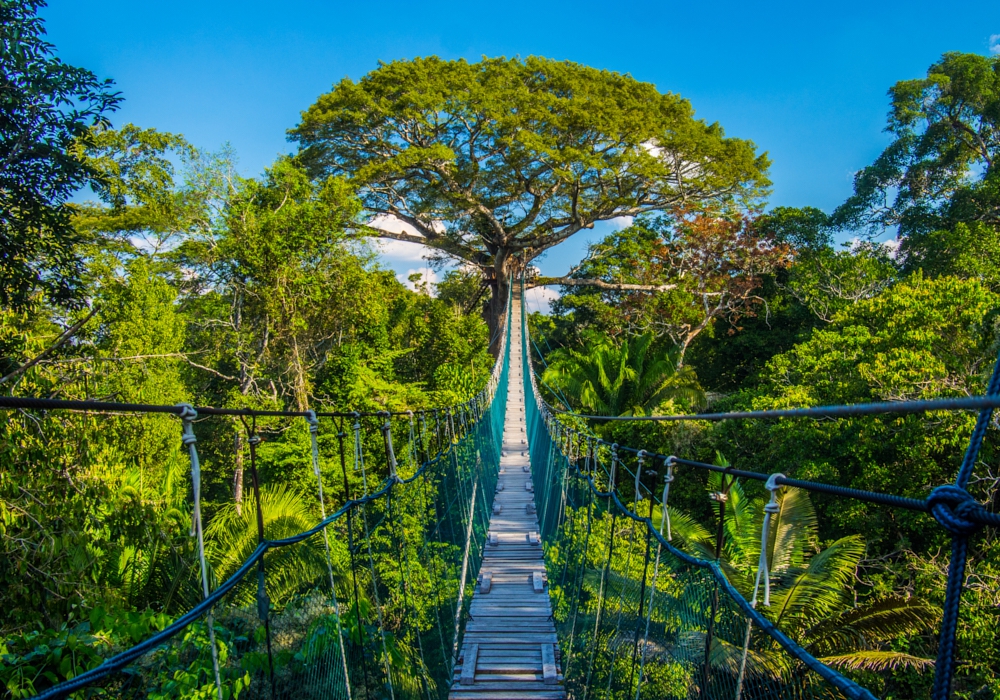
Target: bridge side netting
370	603
637	617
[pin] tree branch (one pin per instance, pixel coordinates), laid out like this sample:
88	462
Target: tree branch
438	242
63	337
601	284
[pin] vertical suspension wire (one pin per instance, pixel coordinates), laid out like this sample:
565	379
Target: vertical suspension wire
581	574
414	458
263	601
605	569
665	518
432	564
624	576
645	563
341	434
721	497
313	422
190	440
465	566
437	431
359	456
397	535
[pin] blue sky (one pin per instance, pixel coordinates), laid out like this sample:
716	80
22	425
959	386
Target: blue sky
805	81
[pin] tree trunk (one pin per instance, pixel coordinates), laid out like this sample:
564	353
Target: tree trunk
238	473
498	279
495	312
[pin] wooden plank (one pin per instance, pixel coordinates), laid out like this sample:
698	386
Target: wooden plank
549	664
510	649
469	665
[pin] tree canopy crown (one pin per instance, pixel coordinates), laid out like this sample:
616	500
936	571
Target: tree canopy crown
505	158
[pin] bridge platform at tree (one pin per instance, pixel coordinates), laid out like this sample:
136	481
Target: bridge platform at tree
510	649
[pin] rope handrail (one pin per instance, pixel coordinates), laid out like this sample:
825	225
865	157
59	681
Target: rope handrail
971	403
951	505
475	414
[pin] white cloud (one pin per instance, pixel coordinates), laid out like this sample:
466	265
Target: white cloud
995	43
540	299
620	222
400	251
891	248
427	275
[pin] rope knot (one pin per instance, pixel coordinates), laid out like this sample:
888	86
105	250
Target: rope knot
313	421
638	472
255	440
772	485
187	412
953	507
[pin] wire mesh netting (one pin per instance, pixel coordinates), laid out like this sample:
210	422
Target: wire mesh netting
369	603
637	617
372	601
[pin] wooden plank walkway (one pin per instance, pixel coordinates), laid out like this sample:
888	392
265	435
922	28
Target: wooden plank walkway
510	650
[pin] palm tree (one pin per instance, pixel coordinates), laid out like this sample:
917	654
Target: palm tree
232	538
812	597
620	380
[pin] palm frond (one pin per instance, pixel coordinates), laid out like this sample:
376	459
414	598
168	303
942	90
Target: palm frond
877	661
817	589
872	622
232	537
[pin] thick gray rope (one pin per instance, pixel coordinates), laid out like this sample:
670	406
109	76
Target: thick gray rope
188	415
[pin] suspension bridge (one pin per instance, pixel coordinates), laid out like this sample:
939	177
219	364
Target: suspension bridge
494	549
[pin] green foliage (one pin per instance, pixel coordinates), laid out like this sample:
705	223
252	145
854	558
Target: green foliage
826	281
630	379
941	168
810	596
494	162
681	273
217	290
233	537
967	250
34	661
47	105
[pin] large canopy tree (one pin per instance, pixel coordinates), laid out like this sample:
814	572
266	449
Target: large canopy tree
46	108
492	163
941	168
